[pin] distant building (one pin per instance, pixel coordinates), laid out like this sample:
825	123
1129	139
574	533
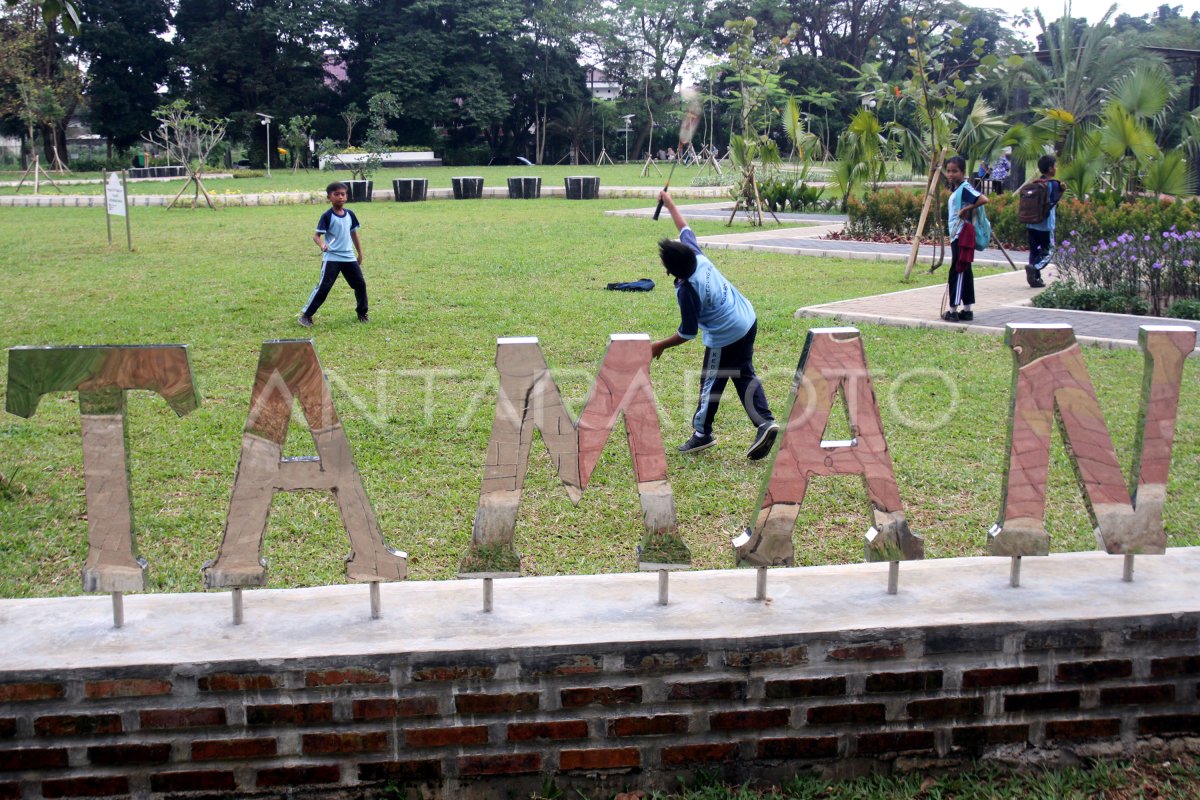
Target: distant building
601	86
334	67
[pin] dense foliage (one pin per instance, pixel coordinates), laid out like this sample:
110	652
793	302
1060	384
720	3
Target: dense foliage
510	78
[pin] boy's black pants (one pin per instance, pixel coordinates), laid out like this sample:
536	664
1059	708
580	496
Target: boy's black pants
1039	250
960	284
722	363
329	273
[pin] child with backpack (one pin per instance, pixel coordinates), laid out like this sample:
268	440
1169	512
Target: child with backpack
960	225
1035	208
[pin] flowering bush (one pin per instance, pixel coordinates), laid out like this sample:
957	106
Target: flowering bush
1161	267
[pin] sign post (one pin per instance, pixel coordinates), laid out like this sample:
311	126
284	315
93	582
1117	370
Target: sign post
116	204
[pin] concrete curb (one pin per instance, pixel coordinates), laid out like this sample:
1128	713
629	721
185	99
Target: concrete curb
318	197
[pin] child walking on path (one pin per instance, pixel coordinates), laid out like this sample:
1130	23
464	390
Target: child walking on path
963	202
342	255
1041	233
710	303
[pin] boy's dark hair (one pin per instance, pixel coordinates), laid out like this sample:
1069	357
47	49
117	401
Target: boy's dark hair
333	187
677	257
1046	163
959	160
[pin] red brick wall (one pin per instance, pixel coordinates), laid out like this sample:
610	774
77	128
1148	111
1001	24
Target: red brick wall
605	717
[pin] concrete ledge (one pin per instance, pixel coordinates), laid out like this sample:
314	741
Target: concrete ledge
431	616
318	197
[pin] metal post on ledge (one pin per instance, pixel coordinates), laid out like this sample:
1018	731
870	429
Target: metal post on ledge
376	603
487	595
1128	574
1014	573
237	607
760	592
118	603
893	577
663	577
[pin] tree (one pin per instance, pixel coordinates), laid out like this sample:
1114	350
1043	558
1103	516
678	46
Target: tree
752	72
33	57
936	88
575	123
296	134
645	45
190	139
470	73
128	59
241	57
53	11
1082	64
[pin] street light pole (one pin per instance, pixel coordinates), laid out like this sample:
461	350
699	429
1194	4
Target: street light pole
266	120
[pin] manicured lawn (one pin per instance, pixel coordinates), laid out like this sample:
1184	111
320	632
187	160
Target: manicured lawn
284	180
416	390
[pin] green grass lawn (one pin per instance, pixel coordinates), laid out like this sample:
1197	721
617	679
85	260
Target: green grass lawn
416	389
284	180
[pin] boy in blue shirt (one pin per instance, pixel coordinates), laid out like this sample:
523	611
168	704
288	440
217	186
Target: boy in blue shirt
342	255
1041	234
960	283
710	303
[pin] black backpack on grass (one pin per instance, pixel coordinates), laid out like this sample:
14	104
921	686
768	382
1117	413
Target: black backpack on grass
1033	206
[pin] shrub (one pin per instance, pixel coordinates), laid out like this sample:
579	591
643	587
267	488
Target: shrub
248	173
781	193
98	164
1185	309
1105	218
892	212
1159	265
471	155
1070	295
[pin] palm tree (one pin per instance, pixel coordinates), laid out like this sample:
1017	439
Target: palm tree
1083	65
575	123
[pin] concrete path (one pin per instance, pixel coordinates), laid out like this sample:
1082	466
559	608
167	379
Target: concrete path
1003	298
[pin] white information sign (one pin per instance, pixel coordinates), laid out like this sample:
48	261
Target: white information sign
114	193
116	204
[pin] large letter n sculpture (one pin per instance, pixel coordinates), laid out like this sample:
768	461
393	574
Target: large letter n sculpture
1050	380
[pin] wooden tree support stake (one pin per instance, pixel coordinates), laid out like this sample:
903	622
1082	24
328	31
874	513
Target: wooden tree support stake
376	604
1127	576
935	171
663	577
1014	573
118	603
893	577
487	595
238	618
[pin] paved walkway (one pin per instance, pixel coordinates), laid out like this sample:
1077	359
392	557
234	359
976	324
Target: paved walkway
1004	298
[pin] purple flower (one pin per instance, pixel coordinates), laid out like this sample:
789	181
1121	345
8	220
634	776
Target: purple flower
1156	265
1146	238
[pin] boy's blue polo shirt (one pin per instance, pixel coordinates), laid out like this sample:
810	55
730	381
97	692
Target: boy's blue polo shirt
710	303
337	235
